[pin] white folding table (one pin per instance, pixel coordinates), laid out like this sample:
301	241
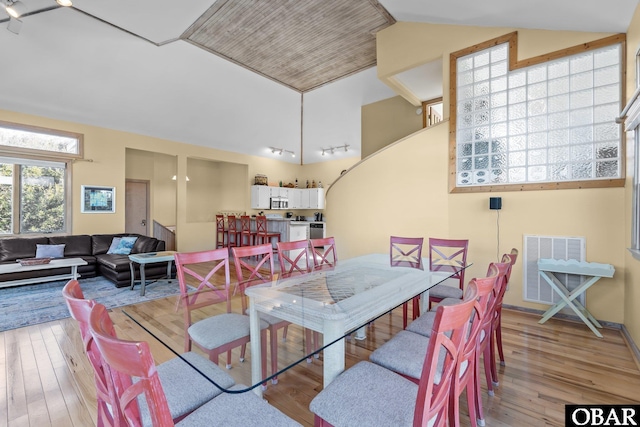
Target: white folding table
547	268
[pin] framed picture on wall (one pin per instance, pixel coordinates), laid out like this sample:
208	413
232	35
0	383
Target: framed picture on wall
97	199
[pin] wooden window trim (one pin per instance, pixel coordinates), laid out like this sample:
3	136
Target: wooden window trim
514	64
43	154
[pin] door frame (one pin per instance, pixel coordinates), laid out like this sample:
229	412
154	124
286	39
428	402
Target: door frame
148	207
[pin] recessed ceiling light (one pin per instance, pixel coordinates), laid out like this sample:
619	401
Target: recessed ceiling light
65	3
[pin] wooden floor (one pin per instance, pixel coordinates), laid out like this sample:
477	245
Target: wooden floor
48	381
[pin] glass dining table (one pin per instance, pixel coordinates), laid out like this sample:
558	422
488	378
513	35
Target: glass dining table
338	303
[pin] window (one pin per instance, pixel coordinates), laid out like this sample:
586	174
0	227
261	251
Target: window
550	122
34	179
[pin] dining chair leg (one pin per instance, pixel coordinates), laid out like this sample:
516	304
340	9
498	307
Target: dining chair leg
274	352
487	369
492	359
477	395
499	339
405	315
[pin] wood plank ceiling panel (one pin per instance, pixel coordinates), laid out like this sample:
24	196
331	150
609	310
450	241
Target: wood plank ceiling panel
300	43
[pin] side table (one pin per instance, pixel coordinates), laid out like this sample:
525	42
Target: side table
547	268
149	258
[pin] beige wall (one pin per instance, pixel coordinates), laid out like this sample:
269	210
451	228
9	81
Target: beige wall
119	155
632	270
387	121
402	190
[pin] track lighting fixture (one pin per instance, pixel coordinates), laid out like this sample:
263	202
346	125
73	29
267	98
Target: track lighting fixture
332	150
16	9
279	151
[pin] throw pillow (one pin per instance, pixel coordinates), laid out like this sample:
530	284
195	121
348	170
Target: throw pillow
114	244
50	251
125	245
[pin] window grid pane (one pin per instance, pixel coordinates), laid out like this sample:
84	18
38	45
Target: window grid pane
546	123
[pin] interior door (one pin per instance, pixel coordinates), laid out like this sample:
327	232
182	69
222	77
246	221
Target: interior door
137	207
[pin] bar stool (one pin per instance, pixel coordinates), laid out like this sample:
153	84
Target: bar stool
232	231
262	234
245	231
221	232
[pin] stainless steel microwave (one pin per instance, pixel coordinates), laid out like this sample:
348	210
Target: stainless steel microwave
279	203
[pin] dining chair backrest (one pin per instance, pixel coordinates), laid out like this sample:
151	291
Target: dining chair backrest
254	265
289	265
324	253
449	330
127	359
209	287
406	251
483	290
245	223
511	259
80	310
499	269
449	255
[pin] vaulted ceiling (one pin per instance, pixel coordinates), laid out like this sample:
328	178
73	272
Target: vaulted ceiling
238	75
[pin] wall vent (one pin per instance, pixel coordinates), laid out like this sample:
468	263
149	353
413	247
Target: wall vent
535	289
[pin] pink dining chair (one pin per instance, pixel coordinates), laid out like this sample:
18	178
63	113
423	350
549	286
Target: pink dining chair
484	338
294	259
220	333
407	252
368	394
80	310
126	360
250	272
324	253
511	259
447	255
186	389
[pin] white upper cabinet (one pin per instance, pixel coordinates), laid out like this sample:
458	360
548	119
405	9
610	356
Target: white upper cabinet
299	198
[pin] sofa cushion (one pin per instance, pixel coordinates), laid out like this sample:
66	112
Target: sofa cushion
124	246
114	245
76	246
145	244
50	251
100	243
15	248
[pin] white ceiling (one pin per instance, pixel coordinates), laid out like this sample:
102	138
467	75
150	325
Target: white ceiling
140	78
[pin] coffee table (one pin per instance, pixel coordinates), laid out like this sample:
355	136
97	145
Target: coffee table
149	258
73	263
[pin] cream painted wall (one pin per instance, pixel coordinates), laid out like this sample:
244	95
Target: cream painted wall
107	148
406	45
387	121
403	189
632	270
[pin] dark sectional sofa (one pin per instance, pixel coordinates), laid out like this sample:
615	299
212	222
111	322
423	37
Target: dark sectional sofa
91	248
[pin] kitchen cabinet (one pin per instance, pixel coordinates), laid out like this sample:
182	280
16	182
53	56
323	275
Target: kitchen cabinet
299	198
295	198
316	198
260	197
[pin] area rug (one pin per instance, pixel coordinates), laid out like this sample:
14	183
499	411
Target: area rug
32	304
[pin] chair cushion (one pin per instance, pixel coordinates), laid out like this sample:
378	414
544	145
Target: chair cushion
184	387
404	353
237	410
423	324
445	291
221	329
367	395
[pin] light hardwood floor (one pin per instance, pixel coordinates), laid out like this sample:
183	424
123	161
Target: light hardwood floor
48	381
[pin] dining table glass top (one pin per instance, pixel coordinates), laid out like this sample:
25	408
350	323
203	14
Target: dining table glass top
325	308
